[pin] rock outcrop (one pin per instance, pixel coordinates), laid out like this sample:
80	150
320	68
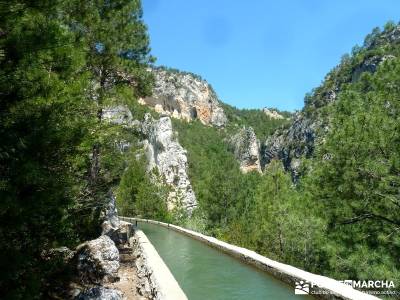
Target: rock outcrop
61	254
369	65
185	96
100	293
166	154
97	260
119	115
110	215
291	144
309	127
146	283
391	36
246	148
273	114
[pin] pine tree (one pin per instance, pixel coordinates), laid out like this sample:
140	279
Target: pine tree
356	178
45	119
52	55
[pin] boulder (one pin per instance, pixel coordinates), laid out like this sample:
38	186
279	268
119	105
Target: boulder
100	293
119	235
63	254
118	115
97	260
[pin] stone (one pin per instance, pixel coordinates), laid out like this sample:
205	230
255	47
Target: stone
63	254
246	148
370	65
308	129
164	152
100	293
273	114
290	144
97	260
121	234
391	36
118	115
110	215
185	96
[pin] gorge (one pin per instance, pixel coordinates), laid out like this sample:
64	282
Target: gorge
92	129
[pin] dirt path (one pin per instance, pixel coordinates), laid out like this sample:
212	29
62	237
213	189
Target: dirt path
128	275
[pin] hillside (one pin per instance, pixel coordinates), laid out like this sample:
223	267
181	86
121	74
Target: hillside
311	124
90	129
341	152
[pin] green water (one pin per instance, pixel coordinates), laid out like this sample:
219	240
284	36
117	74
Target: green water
205	273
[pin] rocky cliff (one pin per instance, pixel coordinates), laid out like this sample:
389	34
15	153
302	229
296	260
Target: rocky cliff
246	148
185	96
309	126
273	114
166	154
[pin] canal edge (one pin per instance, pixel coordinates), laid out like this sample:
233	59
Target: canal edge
155	274
328	288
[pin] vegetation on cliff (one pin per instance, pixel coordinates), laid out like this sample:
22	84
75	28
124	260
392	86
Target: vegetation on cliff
341	218
262	124
60	64
63	62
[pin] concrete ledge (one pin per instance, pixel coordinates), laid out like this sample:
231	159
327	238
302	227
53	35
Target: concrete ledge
161	284
327	288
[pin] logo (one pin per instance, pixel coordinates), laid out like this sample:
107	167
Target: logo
302	288
373	287
369	284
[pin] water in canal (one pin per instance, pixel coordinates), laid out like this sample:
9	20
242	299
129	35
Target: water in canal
205	273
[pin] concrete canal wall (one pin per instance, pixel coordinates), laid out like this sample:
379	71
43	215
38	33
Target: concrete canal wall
155	279
323	287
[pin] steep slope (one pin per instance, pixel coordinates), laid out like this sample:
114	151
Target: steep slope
246	148
184	96
164	152
310	125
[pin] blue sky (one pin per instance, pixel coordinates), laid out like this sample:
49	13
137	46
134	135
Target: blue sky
259	53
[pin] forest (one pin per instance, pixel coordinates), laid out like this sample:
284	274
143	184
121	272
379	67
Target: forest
63	62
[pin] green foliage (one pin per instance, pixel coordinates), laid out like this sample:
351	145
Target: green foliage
49	127
377	43
215	179
176	71
264	213
44	121
356	177
117	41
263	125
140	195
63	62
342	218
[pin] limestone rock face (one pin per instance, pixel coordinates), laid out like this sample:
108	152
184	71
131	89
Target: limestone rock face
309	127
185	96
63	254
97	260
290	144
273	114
110	216
300	138
247	150
119	115
166	154
100	293
369	65
391	36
